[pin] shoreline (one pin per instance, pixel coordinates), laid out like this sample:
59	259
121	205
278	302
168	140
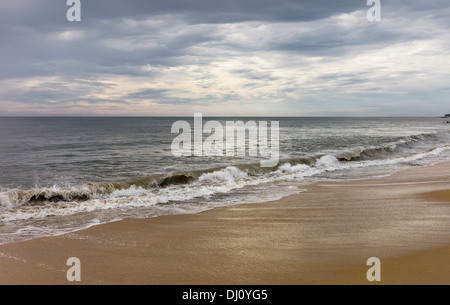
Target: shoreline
322	236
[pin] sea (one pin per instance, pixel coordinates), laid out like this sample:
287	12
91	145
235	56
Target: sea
63	174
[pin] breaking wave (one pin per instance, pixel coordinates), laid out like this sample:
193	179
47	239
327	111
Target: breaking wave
49	210
181	186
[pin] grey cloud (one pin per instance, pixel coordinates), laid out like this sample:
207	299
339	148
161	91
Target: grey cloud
60	93
160	96
29	51
255	75
48	13
165	96
220	11
197	32
149	94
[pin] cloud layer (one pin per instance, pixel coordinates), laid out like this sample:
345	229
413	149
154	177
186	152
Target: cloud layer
234	57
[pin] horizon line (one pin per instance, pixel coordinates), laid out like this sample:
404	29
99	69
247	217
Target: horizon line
210	116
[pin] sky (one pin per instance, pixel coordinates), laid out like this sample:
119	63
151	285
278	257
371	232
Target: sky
224	58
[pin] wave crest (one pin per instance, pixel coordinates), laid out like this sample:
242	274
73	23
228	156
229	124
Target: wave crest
226	178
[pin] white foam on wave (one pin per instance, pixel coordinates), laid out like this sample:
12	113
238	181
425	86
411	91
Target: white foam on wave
5	201
367	163
288	168
209	184
328	162
15	198
230	174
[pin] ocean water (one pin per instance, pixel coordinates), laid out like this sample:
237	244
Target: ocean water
59	175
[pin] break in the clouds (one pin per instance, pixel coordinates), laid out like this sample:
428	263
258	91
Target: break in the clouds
228	57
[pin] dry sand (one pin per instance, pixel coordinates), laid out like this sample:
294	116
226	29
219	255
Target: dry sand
322	236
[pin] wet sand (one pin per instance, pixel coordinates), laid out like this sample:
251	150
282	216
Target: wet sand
322	236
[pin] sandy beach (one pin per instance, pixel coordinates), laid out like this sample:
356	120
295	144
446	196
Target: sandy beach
322	236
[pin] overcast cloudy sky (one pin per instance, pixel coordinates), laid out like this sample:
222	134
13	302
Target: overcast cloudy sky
225	57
